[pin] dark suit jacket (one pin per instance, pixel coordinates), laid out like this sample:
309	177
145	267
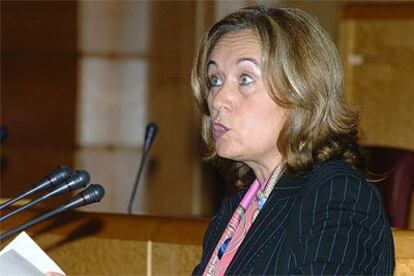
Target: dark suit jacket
328	220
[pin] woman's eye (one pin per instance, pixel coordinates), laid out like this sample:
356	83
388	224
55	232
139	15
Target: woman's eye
245	79
214	81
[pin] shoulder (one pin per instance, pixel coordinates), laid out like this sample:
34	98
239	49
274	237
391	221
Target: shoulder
335	179
333	168
338	175
341	220
337	190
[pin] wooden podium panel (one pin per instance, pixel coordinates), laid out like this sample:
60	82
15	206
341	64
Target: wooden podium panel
109	244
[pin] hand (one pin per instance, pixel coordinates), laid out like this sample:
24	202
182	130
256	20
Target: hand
52	273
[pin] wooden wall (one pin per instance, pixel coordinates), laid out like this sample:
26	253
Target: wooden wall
378	51
39	84
176	177
38	89
173	156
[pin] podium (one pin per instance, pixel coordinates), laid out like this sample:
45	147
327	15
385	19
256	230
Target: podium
111	244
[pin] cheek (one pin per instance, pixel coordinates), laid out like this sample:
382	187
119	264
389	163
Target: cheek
264	124
252	128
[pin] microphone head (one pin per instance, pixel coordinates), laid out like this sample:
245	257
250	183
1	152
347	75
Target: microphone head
151	129
77	180
51	180
150	133
94	193
59	174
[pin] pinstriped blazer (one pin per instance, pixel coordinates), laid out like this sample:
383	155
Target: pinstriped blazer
328	220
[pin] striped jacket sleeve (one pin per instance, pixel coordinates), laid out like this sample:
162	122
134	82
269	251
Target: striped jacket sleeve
342	230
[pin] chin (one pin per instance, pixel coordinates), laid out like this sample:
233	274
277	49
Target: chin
223	153
227	153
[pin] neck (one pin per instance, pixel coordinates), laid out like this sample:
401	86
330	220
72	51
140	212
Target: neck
264	171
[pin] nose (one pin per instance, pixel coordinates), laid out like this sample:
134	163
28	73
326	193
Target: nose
223	98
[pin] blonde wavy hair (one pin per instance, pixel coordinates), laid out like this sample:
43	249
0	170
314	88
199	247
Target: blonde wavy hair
302	68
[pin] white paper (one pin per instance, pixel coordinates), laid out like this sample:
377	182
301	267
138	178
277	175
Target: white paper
29	250
12	263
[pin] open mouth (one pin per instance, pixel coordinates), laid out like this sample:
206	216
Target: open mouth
219	130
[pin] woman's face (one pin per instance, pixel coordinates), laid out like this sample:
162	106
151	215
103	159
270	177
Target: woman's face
246	122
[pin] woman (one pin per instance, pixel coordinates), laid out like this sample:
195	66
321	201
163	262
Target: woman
269	82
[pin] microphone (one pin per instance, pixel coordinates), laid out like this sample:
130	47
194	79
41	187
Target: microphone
49	181
150	133
77	180
94	193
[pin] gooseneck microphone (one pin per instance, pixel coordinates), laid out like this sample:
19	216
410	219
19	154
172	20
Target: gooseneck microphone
150	133
49	181
94	193
76	181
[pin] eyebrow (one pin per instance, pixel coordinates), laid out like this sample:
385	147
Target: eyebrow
254	61
240	60
211	62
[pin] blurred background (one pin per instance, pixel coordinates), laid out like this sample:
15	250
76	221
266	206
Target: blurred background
81	79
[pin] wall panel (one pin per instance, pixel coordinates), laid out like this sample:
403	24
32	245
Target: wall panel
378	50
38	89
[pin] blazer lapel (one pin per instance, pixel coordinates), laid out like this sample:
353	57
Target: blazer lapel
222	219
